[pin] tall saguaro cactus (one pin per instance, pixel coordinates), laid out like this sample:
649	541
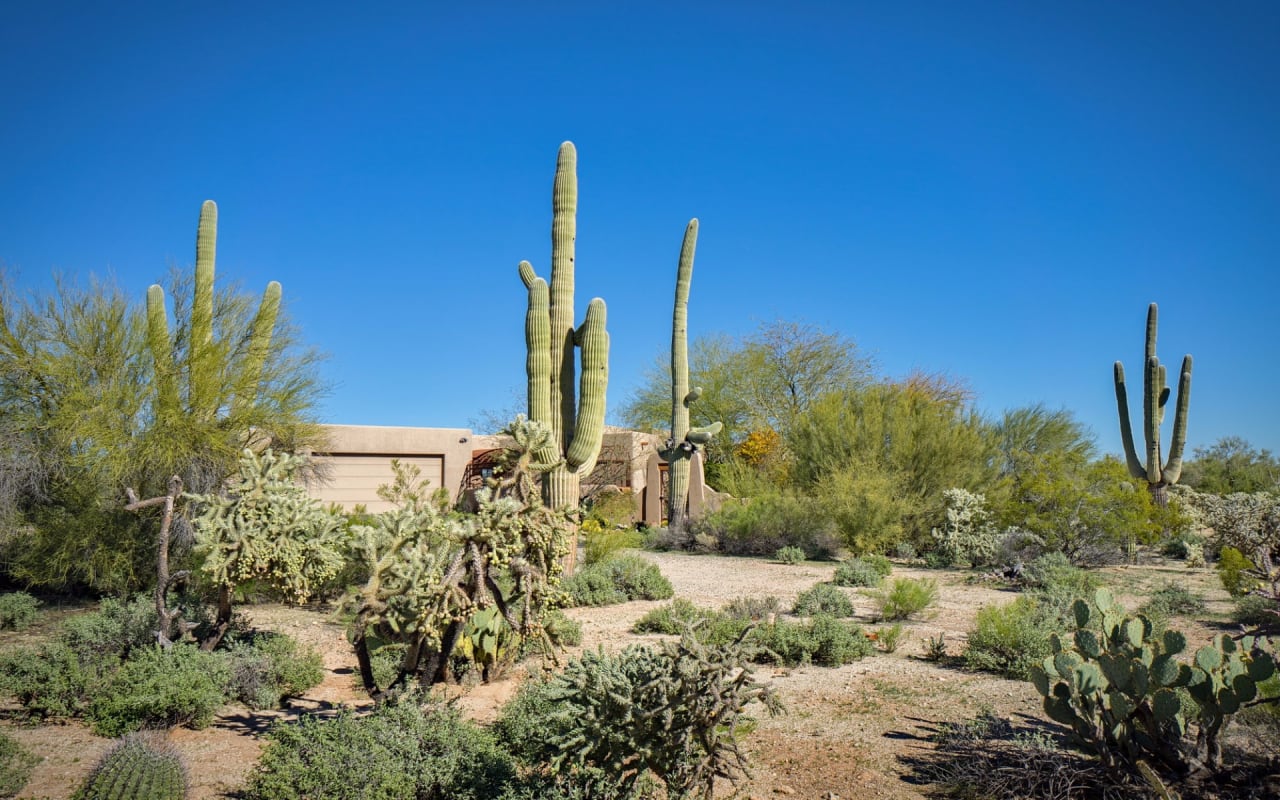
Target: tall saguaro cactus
212	382
684	440
577	424
1158	474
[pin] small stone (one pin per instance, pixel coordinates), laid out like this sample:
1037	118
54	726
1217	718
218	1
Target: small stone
784	789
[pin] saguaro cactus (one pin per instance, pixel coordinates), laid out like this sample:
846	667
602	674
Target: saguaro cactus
1158	474
205	391
684	440
577	427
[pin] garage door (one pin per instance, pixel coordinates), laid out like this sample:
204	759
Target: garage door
354	478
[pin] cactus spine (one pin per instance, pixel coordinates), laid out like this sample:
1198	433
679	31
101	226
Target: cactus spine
141	766
684	440
1158	474
577	424
201	365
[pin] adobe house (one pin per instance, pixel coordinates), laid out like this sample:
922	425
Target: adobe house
357	460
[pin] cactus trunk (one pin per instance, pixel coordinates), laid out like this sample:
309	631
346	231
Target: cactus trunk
1158	473
575	415
678	457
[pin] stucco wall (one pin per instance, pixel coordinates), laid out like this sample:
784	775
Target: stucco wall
359	460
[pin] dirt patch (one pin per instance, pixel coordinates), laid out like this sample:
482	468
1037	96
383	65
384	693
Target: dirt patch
845	733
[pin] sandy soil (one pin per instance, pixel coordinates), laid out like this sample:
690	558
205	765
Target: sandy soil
845	733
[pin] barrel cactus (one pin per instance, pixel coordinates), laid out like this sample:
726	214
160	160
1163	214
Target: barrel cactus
1159	474
684	439
577	424
141	766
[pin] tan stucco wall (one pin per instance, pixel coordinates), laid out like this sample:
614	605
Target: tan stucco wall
452	446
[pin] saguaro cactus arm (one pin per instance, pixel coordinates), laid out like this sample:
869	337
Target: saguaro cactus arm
203	392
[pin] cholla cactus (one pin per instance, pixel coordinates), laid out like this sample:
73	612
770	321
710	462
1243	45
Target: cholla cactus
141	766
430	572
968	536
677	711
265	527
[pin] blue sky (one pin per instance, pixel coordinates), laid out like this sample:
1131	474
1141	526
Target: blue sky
993	190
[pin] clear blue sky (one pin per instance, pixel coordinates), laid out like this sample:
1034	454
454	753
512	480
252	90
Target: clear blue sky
994	190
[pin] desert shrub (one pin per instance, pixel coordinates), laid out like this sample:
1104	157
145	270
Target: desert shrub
823	640
578	783
623	578
18	610
906	598
888	638
771	521
905	551
823	599
141	765
878	562
612	508
1181	544
160	687
1256	611
1058	582
562	630
857	572
16	764
267	668
1008	639
529	721
1233	570
677	712
117	628
752	608
605	543
398	750
935	648
680	616
52	680
789	555
1171	600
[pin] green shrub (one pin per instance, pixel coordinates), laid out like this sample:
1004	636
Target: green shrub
1255	611
116	629
888	638
713	628
823	640
16	764
1233	571
51	680
764	524
857	572
161	687
1009	639
906	598
141	766
1057	582
529	722
1171	600
561	629
399	750
267	668
881	564
385	661
789	555
604	544
752	609
622	578
823	599
18	610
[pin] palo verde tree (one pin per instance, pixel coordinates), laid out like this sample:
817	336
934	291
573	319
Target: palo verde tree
684	440
431	571
1156	471
577	428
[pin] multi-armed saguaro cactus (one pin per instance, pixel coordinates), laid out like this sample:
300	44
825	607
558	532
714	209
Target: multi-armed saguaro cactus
1158	474
684	440
577	428
205	358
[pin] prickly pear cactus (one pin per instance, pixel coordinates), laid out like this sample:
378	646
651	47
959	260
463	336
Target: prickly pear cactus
1115	685
141	766
1225	677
